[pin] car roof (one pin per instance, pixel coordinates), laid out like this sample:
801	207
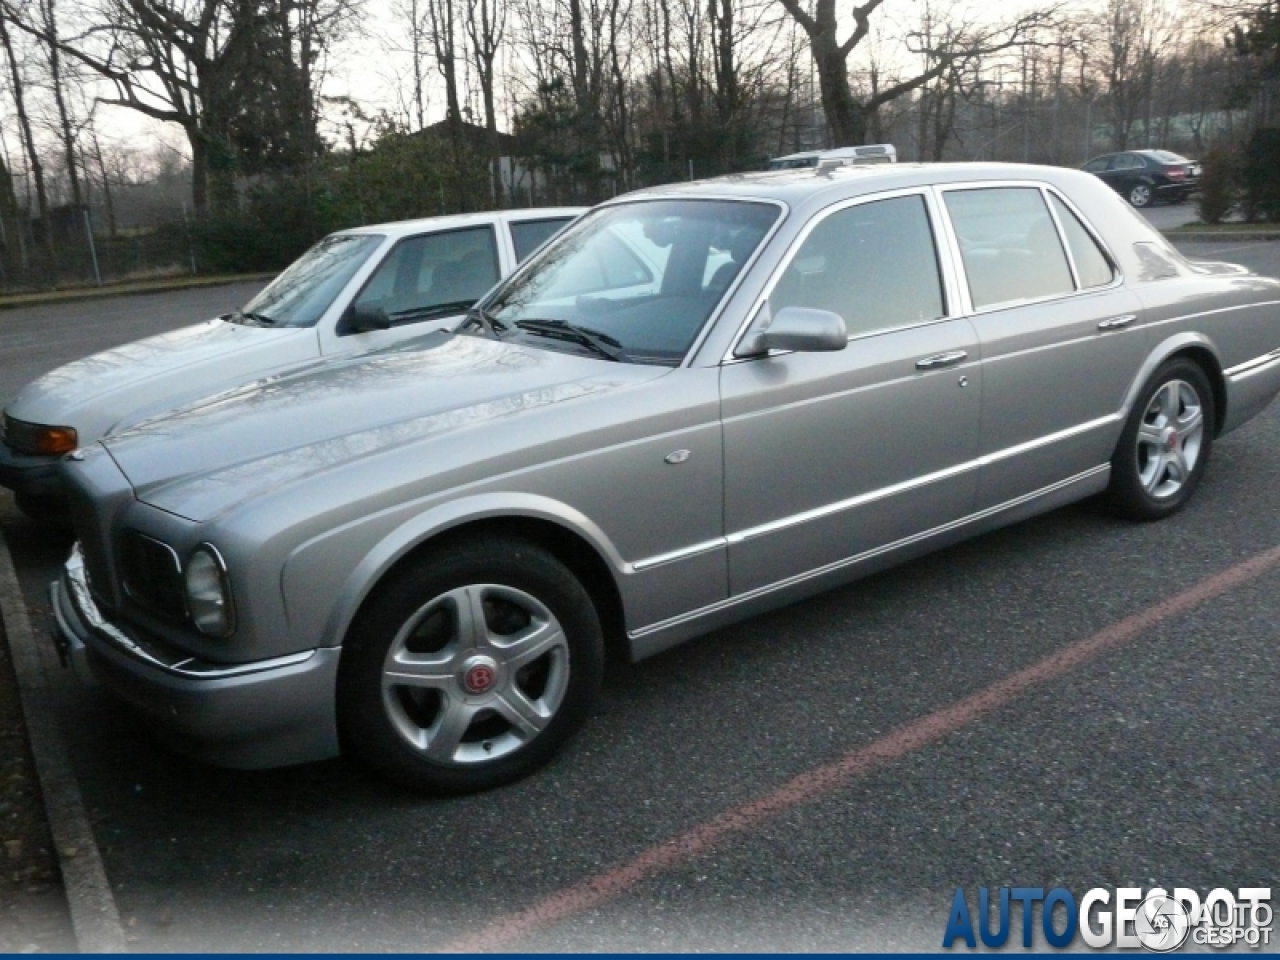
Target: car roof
397	228
817	186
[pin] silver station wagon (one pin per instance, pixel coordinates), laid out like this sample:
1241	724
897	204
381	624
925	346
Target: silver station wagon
697	403
360	290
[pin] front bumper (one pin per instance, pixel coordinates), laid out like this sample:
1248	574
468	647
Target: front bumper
268	713
28	473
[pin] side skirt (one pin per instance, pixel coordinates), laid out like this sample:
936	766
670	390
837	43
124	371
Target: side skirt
647	641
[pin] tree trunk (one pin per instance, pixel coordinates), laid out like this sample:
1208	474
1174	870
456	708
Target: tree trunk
199	172
28	141
112	229
49	14
846	119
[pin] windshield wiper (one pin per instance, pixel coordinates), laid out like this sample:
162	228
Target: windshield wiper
252	319
477	316
599	343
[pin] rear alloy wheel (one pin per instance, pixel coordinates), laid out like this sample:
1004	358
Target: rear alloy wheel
470	668
1165	446
1140	195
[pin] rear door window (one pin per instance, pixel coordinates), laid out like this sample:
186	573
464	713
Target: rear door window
1010	247
529	235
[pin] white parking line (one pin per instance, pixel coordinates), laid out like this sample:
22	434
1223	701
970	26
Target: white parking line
94	916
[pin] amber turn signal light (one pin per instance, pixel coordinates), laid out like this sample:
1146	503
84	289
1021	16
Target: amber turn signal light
56	440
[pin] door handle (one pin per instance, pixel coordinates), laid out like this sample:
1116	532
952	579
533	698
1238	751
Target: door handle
1115	323
949	359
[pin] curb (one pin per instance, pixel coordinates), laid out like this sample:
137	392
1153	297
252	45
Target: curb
94	917
19	300
1203	236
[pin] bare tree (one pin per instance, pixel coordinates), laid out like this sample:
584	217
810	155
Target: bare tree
47	12
486	24
18	89
848	115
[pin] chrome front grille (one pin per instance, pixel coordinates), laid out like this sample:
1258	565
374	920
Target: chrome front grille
93	546
151	575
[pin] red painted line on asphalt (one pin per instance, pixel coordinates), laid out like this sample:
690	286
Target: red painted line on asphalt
822	780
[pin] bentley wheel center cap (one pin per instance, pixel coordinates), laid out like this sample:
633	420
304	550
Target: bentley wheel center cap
480	676
1171	441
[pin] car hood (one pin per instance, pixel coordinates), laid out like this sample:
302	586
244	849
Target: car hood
202	460
92	393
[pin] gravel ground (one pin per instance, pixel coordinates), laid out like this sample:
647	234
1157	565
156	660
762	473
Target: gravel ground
33	914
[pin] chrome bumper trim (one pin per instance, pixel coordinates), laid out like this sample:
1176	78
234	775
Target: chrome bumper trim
82	602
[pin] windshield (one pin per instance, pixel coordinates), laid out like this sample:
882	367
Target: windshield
642	276
300	295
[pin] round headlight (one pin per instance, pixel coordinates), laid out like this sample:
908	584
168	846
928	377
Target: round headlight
209	592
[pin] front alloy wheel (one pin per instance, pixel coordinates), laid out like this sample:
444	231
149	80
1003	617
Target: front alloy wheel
475	674
469	667
1165	445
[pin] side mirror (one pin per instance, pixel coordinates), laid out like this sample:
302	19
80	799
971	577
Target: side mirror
801	329
363	319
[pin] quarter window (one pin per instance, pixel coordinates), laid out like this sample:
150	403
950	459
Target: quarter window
1092	266
1010	247
874	264
433	275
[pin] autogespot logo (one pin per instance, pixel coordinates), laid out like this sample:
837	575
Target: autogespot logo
1128	918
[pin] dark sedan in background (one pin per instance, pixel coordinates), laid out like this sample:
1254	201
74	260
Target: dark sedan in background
1144	176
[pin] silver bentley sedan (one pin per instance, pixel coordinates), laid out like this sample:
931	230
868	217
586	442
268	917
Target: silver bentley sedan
697	403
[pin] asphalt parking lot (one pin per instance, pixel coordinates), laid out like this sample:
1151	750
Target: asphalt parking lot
1151	761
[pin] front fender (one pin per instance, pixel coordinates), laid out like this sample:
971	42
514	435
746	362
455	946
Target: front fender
311	569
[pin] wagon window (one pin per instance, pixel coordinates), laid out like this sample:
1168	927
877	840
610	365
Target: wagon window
1091	263
1010	247
874	264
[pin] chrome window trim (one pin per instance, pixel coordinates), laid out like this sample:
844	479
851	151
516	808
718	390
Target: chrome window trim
971	311
714	317
1062	239
945	277
1116	272
880	493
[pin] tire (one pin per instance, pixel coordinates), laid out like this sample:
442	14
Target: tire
1165	446
46	508
1140	195
502	655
